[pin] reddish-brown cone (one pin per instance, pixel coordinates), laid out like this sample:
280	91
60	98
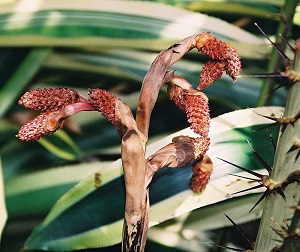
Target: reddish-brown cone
217	49
197	111
49	99
211	71
201	145
222	52
195	104
36	129
201	174
104	102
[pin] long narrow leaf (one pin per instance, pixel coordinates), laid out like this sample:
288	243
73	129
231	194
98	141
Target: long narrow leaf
3	213
119	23
25	72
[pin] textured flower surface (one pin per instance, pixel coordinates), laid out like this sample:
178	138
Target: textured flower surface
202	170
211	71
104	102
225	58
49	99
36	129
56	105
197	111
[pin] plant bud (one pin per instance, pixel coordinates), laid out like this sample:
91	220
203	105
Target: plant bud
36	129
201	174
104	102
197	111
49	99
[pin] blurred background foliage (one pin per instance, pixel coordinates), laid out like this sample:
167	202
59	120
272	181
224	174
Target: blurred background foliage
111	44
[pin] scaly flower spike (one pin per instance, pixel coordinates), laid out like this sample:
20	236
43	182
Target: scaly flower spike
58	104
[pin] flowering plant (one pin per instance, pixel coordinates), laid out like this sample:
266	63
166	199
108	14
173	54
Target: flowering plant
58	104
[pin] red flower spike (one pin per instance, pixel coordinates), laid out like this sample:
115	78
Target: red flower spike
233	67
36	129
104	102
211	71
201	174
220	51
201	145
197	111
49	99
215	48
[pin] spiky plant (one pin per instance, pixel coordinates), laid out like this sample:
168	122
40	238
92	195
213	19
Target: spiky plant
110	46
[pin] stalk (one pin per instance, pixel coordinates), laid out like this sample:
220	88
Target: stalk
283	31
279	209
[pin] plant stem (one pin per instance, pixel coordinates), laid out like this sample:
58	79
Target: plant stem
277	210
283	30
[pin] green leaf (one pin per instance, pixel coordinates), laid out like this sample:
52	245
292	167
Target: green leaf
58	23
20	78
61	145
86	217
34	193
193	229
258	10
3	212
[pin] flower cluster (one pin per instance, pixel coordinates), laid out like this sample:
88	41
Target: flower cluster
56	104
104	102
193	102
224	58
36	129
202	170
49	99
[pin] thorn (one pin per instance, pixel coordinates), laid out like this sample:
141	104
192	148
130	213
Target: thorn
273	143
278	232
287	42
281	121
260	159
239	229
239	176
275	46
295	146
248	189
281	193
244	169
279	86
225	247
260	200
265	75
268	117
265	127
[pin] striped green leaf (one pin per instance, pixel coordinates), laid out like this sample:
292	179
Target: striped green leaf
111	23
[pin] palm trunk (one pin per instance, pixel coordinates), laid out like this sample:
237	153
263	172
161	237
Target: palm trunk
279	209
